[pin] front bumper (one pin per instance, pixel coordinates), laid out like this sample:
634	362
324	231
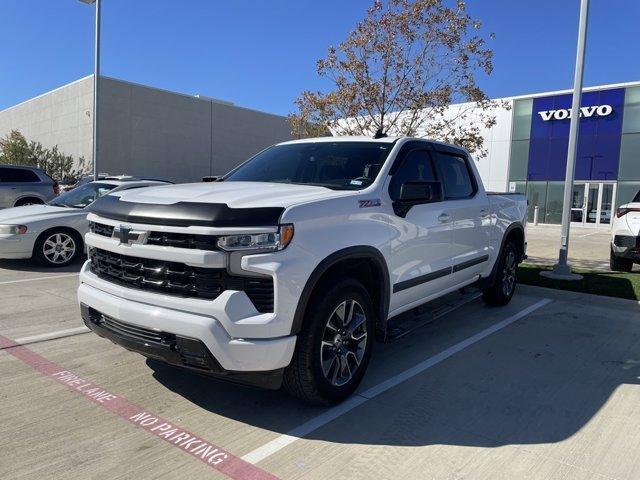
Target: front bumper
626	246
17	246
231	353
173	349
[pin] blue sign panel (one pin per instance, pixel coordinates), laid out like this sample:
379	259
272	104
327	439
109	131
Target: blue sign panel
598	139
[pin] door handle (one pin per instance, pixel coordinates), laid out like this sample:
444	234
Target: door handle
444	218
484	213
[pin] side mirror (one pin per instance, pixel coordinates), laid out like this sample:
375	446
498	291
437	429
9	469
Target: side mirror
417	193
420	192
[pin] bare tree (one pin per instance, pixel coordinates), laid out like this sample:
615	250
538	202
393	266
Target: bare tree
399	70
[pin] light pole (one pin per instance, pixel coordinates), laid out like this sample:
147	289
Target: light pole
96	85
562	270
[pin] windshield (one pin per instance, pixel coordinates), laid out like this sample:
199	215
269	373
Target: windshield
82	196
337	165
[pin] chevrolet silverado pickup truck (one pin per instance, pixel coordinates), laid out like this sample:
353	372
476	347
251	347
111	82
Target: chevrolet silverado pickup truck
286	270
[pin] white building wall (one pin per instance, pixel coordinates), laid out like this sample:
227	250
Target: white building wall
61	117
146	131
495	166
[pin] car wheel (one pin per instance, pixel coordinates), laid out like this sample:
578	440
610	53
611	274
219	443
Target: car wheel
334	346
57	248
28	201
500	291
617	264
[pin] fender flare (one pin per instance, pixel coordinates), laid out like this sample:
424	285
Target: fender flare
488	280
361	251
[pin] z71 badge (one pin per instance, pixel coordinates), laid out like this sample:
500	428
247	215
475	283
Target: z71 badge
374	202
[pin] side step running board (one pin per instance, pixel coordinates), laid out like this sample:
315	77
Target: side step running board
407	322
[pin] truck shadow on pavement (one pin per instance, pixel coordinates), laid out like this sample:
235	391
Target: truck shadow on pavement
540	380
31	266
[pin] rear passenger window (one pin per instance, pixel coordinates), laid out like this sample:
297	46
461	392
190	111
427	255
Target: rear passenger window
454	175
17	175
416	167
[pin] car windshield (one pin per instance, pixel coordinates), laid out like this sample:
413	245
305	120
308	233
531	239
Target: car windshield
82	196
335	165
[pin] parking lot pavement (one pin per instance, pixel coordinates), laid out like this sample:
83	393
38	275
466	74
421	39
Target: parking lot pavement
588	247
24	271
537	389
37	300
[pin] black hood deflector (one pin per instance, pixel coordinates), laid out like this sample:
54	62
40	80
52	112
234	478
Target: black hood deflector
184	214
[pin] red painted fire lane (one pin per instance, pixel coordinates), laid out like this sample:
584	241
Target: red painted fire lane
212	455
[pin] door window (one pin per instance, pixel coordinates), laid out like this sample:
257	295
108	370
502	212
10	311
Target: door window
416	167
577	203
455	176
592	203
17	175
607	200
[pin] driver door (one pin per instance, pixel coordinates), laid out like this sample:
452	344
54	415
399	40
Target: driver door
421	246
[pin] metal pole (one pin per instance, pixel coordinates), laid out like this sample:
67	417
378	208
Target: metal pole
562	268
96	87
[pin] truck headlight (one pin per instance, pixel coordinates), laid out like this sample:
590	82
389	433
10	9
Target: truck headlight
13	229
258	241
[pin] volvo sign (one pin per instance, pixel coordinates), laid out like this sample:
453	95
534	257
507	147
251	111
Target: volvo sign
563	114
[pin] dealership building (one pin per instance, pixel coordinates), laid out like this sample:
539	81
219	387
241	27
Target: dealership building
527	152
145	130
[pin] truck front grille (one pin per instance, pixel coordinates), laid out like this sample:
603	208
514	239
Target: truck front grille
171	278
101	229
165	239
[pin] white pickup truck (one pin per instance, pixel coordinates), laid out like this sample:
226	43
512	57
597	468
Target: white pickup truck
286	269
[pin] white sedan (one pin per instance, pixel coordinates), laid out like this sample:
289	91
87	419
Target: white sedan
53	234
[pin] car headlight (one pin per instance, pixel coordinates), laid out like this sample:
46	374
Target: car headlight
13	229
258	241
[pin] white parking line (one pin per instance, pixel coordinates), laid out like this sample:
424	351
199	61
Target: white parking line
69	332
23	280
358	399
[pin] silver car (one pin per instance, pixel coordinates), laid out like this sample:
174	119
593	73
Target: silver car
25	186
53	234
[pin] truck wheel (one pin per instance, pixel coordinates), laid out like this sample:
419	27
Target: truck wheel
334	345
617	264
504	284
57	248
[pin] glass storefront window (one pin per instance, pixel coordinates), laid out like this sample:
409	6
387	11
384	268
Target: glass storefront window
631	119
522	119
521	187
519	160
537	195
555	200
629	157
625	192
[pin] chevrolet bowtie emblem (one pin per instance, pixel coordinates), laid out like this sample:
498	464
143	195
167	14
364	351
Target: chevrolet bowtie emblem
127	236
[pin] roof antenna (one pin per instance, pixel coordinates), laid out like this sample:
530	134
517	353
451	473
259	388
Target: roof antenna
379	133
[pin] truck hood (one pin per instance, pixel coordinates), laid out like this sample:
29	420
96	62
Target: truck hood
233	194
33	213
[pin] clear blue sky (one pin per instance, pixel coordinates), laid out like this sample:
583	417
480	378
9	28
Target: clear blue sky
261	54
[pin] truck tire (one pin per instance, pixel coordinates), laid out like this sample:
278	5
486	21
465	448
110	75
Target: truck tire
617	264
501	289
334	346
